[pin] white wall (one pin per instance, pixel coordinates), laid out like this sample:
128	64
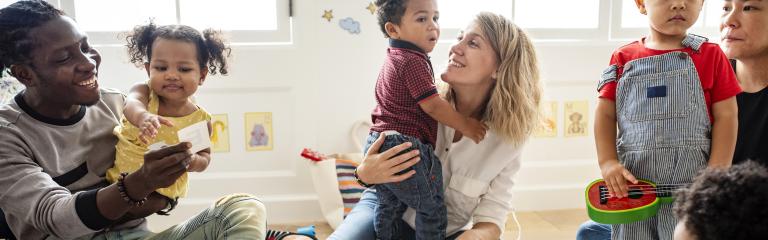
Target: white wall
321	84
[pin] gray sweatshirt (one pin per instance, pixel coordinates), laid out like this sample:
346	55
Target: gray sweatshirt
50	169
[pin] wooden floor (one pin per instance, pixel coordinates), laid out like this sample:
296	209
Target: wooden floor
549	225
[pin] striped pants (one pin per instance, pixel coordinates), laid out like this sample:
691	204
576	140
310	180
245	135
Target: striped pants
661	226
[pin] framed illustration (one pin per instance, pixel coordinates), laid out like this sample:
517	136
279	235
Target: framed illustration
220	133
576	114
258	131
548	123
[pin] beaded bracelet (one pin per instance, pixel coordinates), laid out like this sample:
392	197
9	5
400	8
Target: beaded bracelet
124	192
361	181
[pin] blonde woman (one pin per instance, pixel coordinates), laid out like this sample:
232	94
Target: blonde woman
493	77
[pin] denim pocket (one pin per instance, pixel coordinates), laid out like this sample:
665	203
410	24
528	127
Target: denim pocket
656	96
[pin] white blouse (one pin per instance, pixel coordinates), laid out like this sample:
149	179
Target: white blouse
477	178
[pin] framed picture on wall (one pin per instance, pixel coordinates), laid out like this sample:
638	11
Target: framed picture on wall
576	114
258	131
548	124
220	133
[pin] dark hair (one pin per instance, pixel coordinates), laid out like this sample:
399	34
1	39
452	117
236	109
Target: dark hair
212	51
727	203
389	11
16	20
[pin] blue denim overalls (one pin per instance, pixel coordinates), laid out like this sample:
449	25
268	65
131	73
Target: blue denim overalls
664	128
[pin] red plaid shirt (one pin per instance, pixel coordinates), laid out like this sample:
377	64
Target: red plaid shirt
405	80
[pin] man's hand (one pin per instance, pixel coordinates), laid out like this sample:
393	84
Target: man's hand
161	169
155	202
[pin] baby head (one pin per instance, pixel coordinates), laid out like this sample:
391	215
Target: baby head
414	21
177	58
671	17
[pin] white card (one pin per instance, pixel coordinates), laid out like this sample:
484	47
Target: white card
157	146
198	135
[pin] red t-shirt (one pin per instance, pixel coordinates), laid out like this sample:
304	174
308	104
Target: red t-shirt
715	73
405	80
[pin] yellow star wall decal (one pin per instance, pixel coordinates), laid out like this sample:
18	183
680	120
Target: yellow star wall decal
328	15
371	7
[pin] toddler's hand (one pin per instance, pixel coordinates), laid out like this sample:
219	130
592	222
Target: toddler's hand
474	130
150	123
616	177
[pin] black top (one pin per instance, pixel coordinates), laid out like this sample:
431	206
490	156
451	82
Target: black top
752	139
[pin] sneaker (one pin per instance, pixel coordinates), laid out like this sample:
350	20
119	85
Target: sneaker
282	235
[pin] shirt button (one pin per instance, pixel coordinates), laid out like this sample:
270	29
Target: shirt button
446	149
682	55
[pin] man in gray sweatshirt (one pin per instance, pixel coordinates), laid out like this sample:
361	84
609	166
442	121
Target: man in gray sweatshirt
56	144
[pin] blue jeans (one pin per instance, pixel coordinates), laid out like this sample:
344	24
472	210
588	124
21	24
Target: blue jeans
591	230
423	192
358	224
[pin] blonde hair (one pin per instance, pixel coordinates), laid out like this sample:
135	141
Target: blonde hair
512	111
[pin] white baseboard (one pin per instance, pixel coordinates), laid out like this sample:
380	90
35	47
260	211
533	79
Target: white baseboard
556	184
549	198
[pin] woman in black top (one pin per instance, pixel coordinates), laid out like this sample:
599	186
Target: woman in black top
744	34
752	139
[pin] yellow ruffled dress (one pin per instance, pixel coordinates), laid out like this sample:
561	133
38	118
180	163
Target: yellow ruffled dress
130	150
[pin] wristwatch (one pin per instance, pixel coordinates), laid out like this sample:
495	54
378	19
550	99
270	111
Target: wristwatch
361	181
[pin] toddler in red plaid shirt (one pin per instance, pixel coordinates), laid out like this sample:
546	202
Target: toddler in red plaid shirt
408	108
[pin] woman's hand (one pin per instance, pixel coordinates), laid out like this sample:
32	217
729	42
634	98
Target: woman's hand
378	168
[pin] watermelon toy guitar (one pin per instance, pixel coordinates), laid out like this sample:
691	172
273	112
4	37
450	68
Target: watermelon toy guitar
643	201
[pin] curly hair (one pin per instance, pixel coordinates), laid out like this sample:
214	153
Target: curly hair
389	11
727	203
212	50
16	21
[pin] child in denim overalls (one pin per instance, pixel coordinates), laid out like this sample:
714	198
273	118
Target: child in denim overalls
672	96
407	110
